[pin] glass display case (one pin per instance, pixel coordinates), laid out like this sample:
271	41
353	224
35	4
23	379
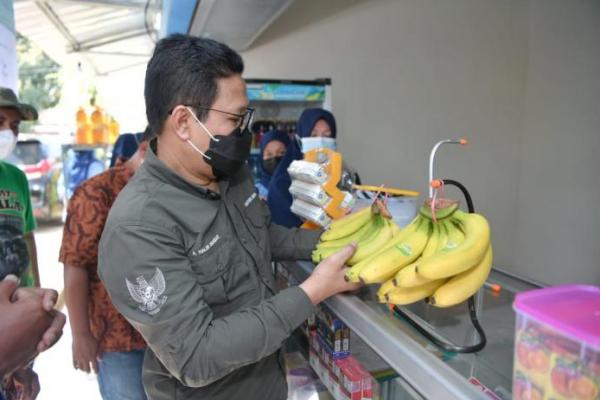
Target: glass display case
424	370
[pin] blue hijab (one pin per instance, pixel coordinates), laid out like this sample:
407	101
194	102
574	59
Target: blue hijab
125	146
279	198
309	118
264	176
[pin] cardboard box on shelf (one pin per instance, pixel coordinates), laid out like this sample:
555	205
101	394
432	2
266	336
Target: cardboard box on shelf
347	378
369	385
328	353
351	380
333	330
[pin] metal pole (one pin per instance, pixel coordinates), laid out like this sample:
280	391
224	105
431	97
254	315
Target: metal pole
432	158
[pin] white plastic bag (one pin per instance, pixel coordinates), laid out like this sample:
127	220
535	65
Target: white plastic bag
308	172
310	192
310	212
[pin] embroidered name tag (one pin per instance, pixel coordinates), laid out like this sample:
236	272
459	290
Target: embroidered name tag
249	199
206	248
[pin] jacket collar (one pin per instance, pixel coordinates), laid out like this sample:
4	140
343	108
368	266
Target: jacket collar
159	170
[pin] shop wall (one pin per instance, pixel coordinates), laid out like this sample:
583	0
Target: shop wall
408	73
558	224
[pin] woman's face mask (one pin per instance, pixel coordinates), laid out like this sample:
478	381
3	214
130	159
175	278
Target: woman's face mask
270	165
225	154
8	141
309	143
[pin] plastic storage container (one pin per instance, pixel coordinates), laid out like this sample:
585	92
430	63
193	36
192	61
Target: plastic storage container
557	344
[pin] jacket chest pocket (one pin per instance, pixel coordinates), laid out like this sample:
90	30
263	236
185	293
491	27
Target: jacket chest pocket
211	269
256	220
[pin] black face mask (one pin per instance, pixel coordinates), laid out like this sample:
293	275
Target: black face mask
229	154
271	164
226	154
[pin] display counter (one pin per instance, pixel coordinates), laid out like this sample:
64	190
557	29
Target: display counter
431	372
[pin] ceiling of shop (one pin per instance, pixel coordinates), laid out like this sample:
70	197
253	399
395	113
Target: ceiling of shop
113	35
236	22
110	35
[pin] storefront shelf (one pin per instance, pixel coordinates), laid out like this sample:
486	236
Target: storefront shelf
435	374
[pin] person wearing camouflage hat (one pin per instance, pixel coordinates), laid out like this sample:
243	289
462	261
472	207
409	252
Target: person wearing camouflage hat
16	212
17	241
8	99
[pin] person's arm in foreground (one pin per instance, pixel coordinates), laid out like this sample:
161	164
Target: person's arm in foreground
29	324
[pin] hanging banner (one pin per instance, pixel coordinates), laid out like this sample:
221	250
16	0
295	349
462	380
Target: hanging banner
8	46
285	92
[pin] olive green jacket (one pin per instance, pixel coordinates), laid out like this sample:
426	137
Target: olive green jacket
191	270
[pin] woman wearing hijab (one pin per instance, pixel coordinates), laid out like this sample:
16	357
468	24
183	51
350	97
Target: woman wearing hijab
126	146
317	122
273	146
317	128
314	122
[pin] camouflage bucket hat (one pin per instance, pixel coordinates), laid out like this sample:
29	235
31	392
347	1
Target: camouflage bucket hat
9	99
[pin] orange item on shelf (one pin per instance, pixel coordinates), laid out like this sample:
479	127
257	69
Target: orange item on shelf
81	116
83	133
333	167
334	170
99	128
97	116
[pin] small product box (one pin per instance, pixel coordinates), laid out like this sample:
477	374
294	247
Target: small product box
335	333
334	383
328	353
557	343
351	381
369	386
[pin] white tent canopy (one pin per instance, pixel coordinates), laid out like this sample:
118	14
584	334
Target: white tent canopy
109	35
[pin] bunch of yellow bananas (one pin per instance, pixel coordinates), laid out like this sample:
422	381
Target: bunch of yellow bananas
443	261
370	228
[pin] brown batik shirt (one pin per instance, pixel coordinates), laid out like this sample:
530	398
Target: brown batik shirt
87	213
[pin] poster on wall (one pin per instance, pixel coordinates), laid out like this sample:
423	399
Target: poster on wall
8	46
285	92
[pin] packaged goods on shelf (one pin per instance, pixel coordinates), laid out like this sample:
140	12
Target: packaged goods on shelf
308	172
310	192
351	380
346	378
348	201
335	333
310	212
328	352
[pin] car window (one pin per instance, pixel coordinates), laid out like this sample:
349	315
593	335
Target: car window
29	152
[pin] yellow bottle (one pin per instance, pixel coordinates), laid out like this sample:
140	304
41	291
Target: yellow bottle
82	135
